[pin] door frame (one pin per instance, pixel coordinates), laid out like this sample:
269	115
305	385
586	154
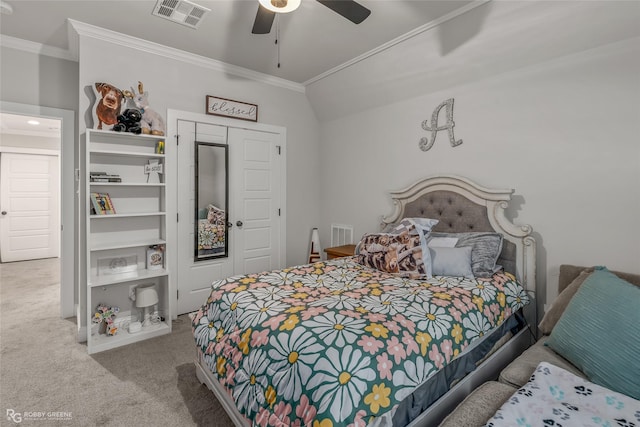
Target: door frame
171	186
69	275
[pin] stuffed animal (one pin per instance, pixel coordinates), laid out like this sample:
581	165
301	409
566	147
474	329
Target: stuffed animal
107	107
152	122
129	121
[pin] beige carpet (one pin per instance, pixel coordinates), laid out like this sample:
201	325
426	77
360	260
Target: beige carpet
43	368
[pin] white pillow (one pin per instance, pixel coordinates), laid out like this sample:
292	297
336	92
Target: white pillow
442	242
454	262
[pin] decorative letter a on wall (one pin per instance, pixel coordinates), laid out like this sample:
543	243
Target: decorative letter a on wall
426	144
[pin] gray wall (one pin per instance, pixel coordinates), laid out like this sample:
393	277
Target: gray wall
563	133
32	79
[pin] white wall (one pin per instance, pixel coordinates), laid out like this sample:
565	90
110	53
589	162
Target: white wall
563	134
183	86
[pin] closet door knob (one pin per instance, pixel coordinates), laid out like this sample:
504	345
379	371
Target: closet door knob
229	224
239	223
4	212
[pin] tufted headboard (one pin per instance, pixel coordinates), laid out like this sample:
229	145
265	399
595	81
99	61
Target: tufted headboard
464	206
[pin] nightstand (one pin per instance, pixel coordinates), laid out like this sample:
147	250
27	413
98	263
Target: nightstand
340	251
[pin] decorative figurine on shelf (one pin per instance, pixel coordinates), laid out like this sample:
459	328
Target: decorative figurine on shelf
155	257
105	317
152	122
129	121
153	169
107	106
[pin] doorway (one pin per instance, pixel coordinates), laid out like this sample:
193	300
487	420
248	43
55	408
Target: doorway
63	166
29	194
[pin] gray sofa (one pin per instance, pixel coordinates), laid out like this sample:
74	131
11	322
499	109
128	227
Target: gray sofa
479	406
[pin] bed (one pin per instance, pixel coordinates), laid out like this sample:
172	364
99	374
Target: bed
341	343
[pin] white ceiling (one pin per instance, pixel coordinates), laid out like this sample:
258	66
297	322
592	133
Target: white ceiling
313	39
19	125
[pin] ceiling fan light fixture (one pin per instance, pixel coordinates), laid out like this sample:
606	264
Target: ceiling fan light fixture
280	6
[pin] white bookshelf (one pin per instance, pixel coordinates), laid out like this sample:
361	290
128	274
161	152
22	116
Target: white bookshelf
117	241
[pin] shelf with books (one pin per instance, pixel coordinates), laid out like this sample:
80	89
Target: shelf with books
126	228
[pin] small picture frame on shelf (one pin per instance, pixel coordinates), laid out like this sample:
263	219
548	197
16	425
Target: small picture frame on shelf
155	257
101	203
118	265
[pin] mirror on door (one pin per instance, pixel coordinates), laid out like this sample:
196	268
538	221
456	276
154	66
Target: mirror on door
211	187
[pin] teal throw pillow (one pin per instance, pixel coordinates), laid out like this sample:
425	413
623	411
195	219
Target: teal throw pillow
599	332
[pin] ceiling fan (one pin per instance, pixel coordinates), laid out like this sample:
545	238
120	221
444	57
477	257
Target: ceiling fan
267	10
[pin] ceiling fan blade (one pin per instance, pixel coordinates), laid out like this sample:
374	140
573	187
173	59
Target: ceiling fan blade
351	10
264	21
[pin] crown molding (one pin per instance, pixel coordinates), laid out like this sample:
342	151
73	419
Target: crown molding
36	48
87	30
421	29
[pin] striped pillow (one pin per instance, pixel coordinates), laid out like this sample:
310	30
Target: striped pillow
598	332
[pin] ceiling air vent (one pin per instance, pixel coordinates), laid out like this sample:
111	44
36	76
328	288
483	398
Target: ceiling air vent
181	11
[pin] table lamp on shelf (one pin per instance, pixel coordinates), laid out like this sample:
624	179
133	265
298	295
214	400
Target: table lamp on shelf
146	297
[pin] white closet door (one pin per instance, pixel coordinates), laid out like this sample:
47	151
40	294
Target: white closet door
255	207
194	277
255	168
30	219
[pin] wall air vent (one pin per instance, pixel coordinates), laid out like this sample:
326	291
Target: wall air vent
181	11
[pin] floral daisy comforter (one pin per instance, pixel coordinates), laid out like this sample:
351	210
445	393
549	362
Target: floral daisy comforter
336	343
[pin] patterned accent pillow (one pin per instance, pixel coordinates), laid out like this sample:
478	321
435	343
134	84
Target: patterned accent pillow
392	253
420	227
598	332
215	215
414	226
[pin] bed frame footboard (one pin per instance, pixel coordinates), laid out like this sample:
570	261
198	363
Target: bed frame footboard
205	377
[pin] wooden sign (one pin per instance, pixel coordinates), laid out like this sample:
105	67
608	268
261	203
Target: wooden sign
230	108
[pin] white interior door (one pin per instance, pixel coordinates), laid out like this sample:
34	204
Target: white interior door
255	168
256	198
29	210
194	277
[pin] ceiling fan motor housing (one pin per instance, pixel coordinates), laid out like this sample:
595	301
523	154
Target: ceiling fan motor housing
267	10
279	3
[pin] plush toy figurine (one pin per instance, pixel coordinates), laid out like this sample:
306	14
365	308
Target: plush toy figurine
152	122
107	106
129	121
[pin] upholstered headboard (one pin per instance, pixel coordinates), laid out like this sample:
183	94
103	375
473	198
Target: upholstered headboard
461	205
